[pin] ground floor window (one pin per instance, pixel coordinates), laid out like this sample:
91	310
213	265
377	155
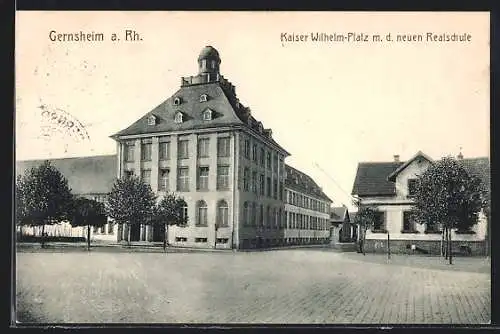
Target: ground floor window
180	239
225	240
200	240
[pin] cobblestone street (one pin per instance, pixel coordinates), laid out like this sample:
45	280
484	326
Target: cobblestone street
285	286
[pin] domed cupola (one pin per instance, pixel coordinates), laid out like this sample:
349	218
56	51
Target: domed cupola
208	60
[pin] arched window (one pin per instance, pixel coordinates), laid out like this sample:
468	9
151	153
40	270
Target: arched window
245	213
177	101
202	213
203	98
222	213
207	115
185	215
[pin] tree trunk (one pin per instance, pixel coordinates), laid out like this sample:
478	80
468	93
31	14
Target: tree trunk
450	255
165	238
88	238
364	240
128	233
388	246
43	236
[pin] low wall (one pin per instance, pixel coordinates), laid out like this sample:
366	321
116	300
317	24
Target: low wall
431	247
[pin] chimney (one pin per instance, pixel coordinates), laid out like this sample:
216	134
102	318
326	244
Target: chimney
396	157
460	156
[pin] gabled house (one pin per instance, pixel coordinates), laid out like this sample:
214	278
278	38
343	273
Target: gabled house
389	186
343	229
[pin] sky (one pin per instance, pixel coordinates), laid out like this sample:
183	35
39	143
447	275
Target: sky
330	104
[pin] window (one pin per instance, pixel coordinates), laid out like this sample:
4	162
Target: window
222	240
222	177
261	217
146	176
129	174
275	163
203	98
129	152
247	149
223	146
262	157
183	149
177	101
253	220
254	152
207	115
201	220
282	187
222	214
200	239
246	179
269	219
203	147
245	214
163	183
268	160
268	186
180	239
178	117
183	179
151	120
254	182
203	178
185	216
164	151
275	189
408	222
412	187
276	218
379	222
146	152
262	188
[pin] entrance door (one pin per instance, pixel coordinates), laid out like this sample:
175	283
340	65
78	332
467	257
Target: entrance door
158	232
135	232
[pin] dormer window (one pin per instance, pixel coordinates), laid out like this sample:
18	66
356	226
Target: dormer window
177	101
203	98
152	120
261	128
178	117
207	115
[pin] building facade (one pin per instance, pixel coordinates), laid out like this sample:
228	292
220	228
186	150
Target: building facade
389	186
203	144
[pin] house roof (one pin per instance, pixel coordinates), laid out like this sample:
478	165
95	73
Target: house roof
372	178
85	175
301	182
339	214
222	100
420	154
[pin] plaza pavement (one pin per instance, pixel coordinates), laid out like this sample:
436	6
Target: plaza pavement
297	286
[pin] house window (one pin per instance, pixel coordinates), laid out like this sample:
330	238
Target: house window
246	179
177	101
275	189
282	191
178	117
408	222
163	183
253	220
200	239
185	216
275	163
276	218
269	219
222	240
183	179
203	98
268	160
222	177
203	178
129	174
262	188
151	120
202	213
246	214
247	149
146	176
180	239
183	149
164	152
254	182
254	152
223	146
222	214
207	115
379	222
412	187
261	217
129	152
203	147
146	152
262	157
268	186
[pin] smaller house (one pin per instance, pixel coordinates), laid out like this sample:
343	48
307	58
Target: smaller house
342	228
